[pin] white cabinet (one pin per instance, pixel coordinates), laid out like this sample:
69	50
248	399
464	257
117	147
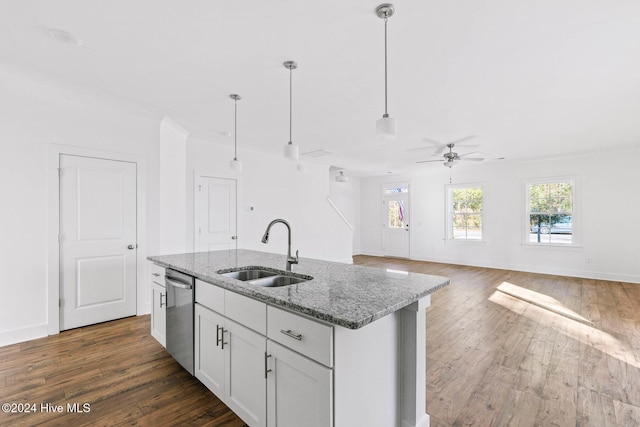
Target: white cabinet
158	304
245	383
299	390
209	356
230	361
276	368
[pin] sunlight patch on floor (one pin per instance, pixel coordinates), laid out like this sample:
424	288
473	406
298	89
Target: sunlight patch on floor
541	300
572	328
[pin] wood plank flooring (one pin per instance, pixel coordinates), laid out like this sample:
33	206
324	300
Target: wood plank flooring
124	374
565	354
562	352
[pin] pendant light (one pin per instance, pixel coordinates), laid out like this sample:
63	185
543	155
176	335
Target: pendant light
235	164
291	151
386	126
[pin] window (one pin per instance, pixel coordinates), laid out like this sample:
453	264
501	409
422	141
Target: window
464	217
550	209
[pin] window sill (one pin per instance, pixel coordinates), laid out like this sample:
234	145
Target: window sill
554	246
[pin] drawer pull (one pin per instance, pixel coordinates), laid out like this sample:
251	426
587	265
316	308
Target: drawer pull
291	334
155	274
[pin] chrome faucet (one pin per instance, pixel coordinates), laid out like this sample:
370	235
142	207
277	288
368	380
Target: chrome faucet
265	239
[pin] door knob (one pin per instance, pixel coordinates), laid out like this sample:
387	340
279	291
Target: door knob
131	247
234	237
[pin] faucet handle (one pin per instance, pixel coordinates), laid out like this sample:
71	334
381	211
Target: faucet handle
297	258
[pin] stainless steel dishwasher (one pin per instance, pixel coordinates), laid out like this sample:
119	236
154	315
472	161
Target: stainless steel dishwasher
180	300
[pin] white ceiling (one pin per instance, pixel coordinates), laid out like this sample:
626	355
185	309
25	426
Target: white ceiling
530	78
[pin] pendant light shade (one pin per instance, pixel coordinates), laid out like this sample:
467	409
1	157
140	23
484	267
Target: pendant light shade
235	164
291	151
386	126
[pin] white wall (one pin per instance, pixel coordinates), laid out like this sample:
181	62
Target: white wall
36	114
275	188
607	203
172	182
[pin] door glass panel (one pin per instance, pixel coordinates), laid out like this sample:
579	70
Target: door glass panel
396	213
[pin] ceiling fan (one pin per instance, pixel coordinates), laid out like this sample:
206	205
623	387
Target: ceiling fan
451	158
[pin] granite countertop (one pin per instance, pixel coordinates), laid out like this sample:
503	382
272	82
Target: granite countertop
347	295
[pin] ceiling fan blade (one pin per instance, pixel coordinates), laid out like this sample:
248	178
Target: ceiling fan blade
475	159
466	138
429	161
441	149
468	154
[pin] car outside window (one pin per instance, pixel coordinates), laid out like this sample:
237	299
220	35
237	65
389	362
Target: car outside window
550	208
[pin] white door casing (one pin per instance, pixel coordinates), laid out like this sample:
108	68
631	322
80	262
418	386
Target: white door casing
215	214
395	226
97	240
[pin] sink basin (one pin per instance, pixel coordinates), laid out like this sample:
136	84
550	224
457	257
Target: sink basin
261	276
275	281
247	275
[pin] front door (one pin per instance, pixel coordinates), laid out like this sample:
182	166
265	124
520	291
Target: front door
395	216
97	240
215	222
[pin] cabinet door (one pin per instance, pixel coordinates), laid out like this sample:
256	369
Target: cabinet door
246	385
209	354
159	313
298	390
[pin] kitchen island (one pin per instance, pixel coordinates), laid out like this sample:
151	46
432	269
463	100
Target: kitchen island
349	342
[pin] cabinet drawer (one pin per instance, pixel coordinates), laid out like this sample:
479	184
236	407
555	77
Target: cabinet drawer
246	311
303	335
156	272
210	296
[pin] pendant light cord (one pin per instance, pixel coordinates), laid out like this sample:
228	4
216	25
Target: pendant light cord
235	131
290	104
385	68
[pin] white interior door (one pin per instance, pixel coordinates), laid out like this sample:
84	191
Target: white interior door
215	222
97	240
395	226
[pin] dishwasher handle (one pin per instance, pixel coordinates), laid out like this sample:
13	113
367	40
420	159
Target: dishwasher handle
172	281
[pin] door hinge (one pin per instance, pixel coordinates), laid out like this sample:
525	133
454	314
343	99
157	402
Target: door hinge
199	187
59	172
60	302
199	230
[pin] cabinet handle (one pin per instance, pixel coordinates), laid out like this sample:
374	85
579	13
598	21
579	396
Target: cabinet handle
155	274
165	300
291	334
218	335
266	370
222	337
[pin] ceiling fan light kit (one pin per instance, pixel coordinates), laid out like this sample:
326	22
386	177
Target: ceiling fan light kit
291	151
386	127
235	164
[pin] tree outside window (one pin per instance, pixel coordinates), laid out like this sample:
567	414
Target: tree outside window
550	210
465	213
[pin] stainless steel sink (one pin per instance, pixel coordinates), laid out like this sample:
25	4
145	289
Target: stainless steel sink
275	281
247	275
260	276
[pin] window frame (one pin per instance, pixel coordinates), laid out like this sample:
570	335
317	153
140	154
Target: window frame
575	213
449	209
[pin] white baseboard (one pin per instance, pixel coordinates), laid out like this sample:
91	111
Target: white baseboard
23	334
584	274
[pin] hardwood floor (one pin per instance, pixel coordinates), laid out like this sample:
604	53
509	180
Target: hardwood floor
123	373
494	358
499	358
